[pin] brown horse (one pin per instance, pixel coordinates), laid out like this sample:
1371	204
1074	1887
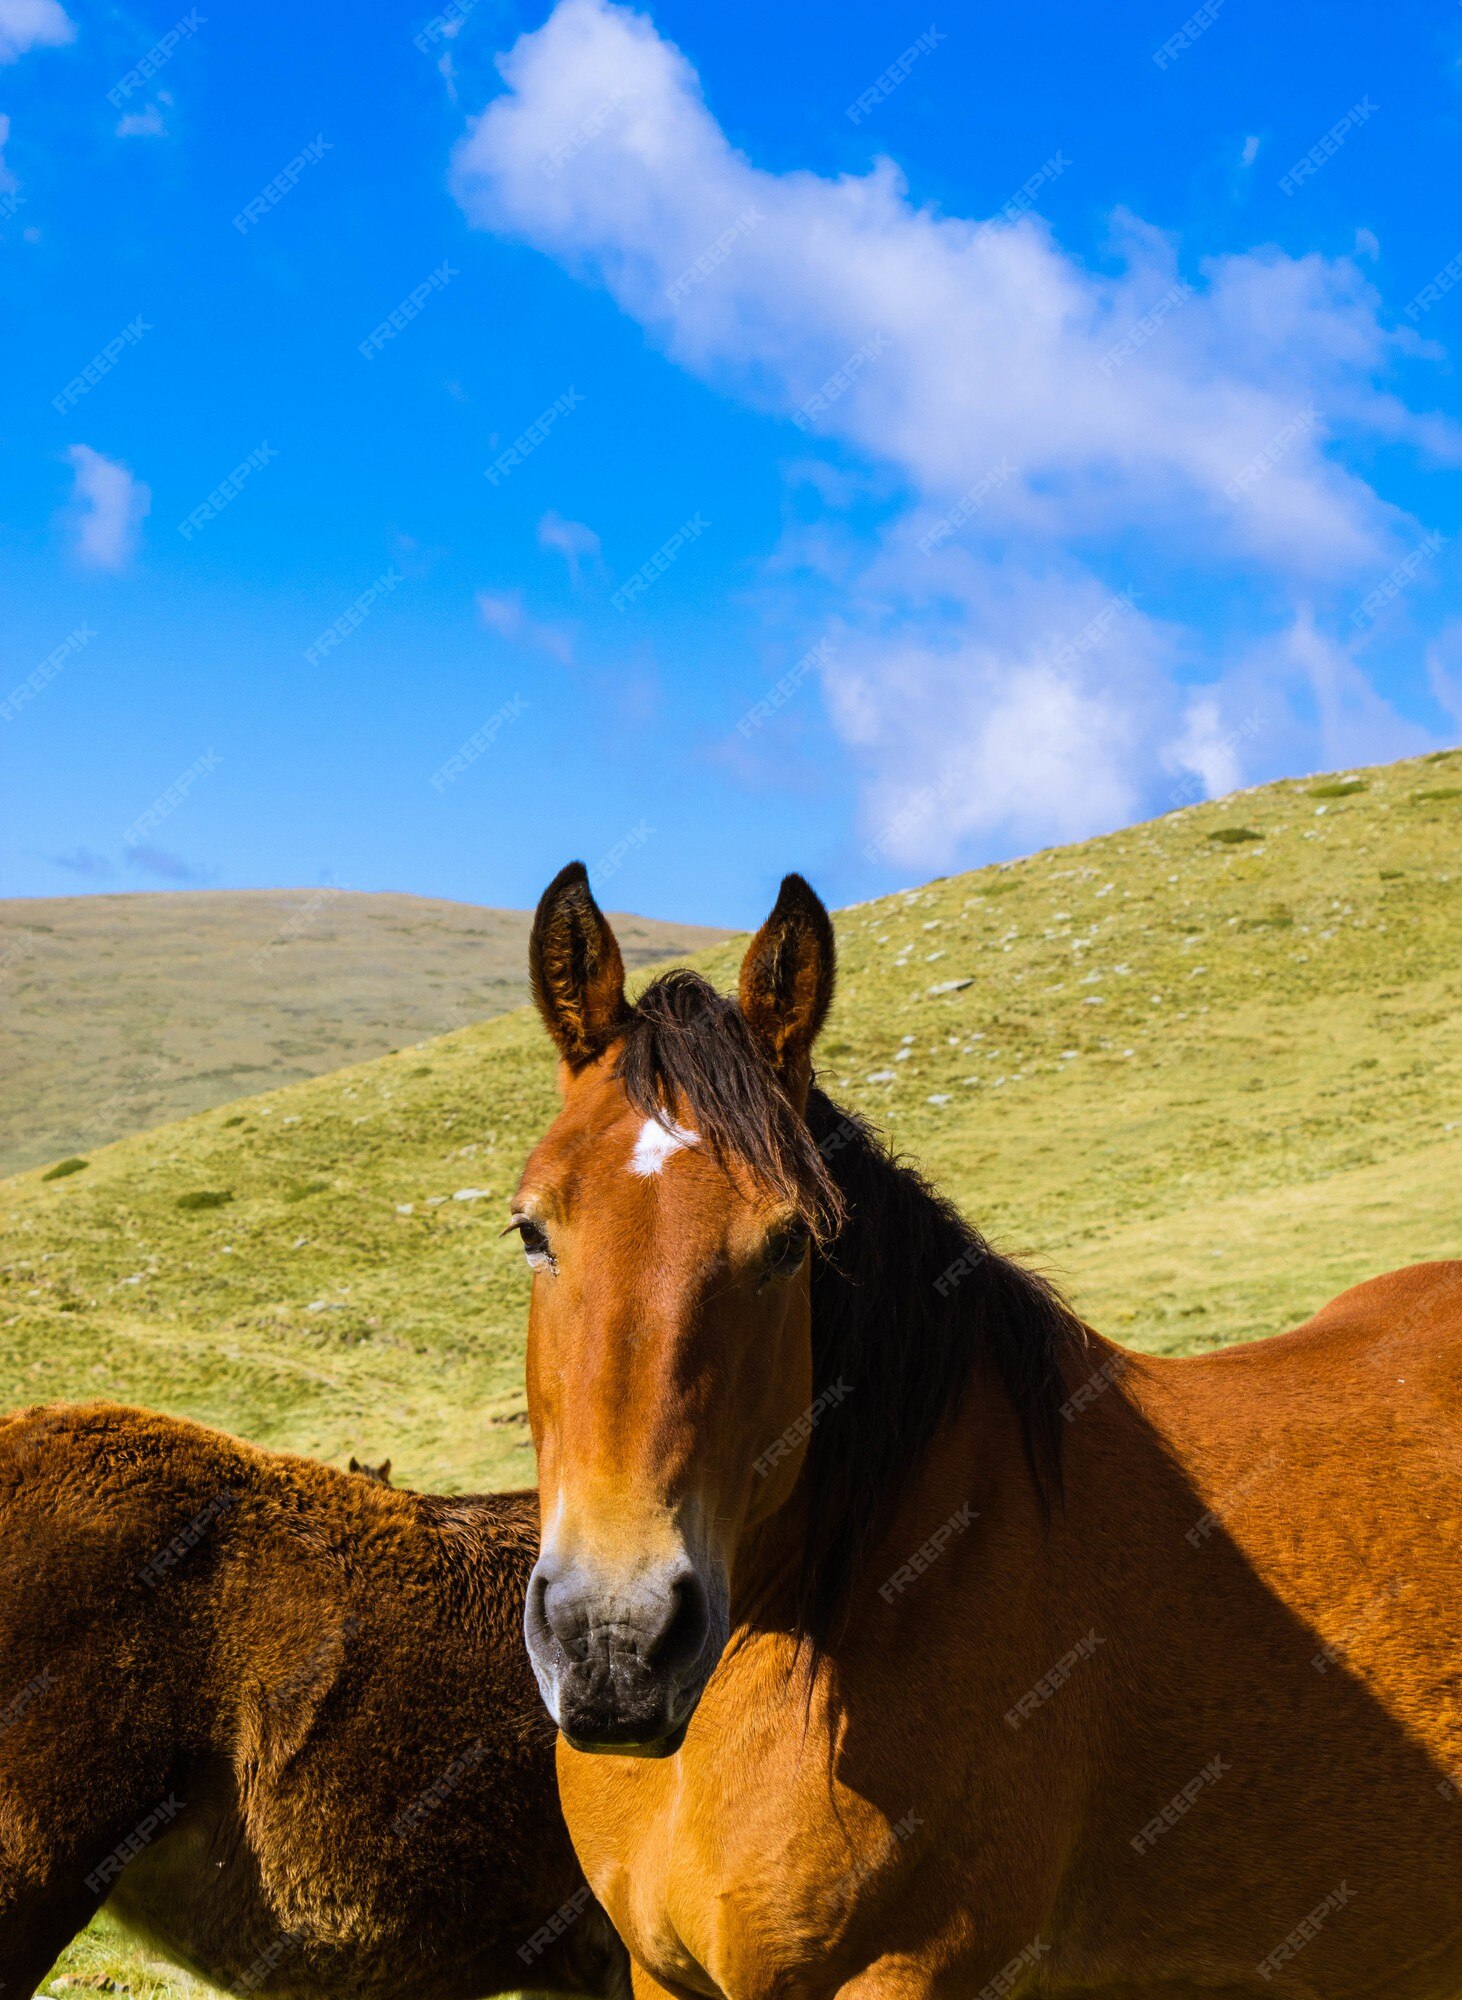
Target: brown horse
380	1473
278	1719
909	1639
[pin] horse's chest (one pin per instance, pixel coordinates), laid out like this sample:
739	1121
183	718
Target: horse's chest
724	1875
744	1927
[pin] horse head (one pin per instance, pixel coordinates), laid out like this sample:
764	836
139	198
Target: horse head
667	1215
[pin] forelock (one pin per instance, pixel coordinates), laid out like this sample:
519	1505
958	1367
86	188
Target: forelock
688	1051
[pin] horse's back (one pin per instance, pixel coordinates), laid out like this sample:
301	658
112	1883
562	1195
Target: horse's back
1412	1316
1381	1360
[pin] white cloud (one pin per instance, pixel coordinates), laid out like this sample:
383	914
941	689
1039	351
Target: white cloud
145	124
997	342
1356	724
8	182
501	611
1193	414
575	542
1207	748
972	744
109	508
33	24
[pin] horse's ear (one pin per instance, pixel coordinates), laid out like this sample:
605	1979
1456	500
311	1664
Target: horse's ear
787	980
385	1471
354	1464
575	968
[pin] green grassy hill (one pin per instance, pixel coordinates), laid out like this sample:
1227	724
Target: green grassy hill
121	1012
1206	1072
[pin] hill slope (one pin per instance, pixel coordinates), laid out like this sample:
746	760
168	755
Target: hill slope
1206	1079
121	1012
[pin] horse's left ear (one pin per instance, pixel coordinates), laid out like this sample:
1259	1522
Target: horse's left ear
787	980
575	968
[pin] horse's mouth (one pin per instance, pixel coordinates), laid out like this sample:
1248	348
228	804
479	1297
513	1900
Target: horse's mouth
664	1746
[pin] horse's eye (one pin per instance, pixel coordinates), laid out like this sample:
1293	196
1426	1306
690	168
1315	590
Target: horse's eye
786	1248
535	1243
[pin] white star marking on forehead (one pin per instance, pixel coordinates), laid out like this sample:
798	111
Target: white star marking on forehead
656	1142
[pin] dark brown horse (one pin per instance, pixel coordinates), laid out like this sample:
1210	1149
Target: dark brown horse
278	1719
907	1638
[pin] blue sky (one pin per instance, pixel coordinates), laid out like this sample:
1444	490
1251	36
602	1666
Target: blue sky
1046	416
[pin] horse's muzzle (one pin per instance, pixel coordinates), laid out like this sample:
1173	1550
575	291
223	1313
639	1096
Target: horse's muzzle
622	1668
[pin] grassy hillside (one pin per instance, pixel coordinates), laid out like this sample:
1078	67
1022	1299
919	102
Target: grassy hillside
1206	1071
121	1012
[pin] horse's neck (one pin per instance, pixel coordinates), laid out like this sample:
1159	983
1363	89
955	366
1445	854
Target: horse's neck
975	1471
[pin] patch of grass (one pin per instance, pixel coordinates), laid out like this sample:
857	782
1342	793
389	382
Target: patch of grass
1231	836
204	1198
237	1119
302	1190
105	1959
1436	793
1338	788
64	1168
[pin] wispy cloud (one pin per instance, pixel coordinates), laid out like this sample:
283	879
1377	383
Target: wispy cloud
165	866
148	123
501	611
86	862
957	681
33	24
1444	670
8	182
576	543
108	508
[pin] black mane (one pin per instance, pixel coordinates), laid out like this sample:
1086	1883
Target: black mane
905	1300
906	1294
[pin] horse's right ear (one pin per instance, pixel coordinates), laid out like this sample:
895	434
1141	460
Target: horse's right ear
575	967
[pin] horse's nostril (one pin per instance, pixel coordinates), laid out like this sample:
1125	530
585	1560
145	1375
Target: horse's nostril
683	1638
557	1606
